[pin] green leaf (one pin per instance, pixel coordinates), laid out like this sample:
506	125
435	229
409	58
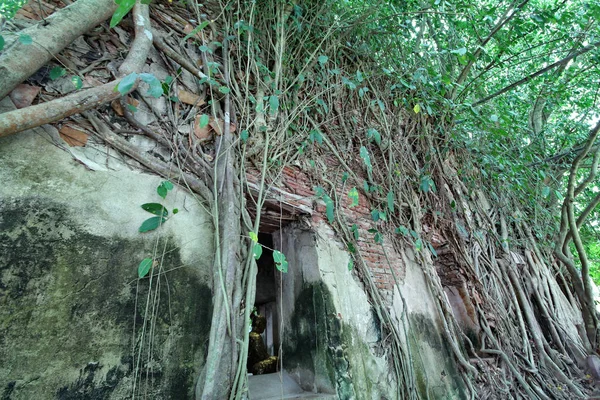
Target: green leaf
274	104
401	230
57	72
427	184
545	191
364	154
315	136
1	42
351	248
323	59
175	211
390	201
253	236
156	209
329	209
419	245
375	215
322	104
257	251
124	6
132	108
151	224
280	261
431	249
373	134
204	120
196	30
156	89
164	188
162	191
417	108
350	264
224	89
462	230
558	195
244	135
366	186
144	267
461	52
378	238
344	177
127	83
76	81
354	231
25	39
353	195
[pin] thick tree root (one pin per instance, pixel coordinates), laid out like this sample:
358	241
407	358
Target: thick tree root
19	61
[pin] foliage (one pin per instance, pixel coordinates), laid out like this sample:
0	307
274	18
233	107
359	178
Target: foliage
430	109
161	216
8	8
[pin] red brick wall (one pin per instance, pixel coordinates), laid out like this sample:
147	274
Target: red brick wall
295	188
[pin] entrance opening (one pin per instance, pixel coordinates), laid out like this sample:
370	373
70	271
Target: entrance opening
265	309
276	295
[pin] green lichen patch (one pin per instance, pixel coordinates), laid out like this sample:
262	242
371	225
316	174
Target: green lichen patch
70	304
319	342
439	380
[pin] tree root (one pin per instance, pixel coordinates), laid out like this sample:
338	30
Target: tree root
19	61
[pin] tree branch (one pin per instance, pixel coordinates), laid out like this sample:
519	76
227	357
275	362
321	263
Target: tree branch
538	73
504	20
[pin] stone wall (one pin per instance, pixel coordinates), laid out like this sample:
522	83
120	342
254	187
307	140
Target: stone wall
73	315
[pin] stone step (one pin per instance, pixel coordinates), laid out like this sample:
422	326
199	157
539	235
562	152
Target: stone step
280	386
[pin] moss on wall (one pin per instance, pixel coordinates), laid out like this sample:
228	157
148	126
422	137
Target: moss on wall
428	345
68	304
318	344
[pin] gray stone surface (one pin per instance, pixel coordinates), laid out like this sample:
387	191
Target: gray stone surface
280	386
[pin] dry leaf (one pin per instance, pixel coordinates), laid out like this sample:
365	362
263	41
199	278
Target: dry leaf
73	137
218	126
116	105
203	134
214	125
188	28
189	98
23	95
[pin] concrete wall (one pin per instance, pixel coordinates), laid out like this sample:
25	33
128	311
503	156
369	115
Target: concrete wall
415	312
331	337
71	306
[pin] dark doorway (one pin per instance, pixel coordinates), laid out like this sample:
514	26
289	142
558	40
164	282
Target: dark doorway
266	293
